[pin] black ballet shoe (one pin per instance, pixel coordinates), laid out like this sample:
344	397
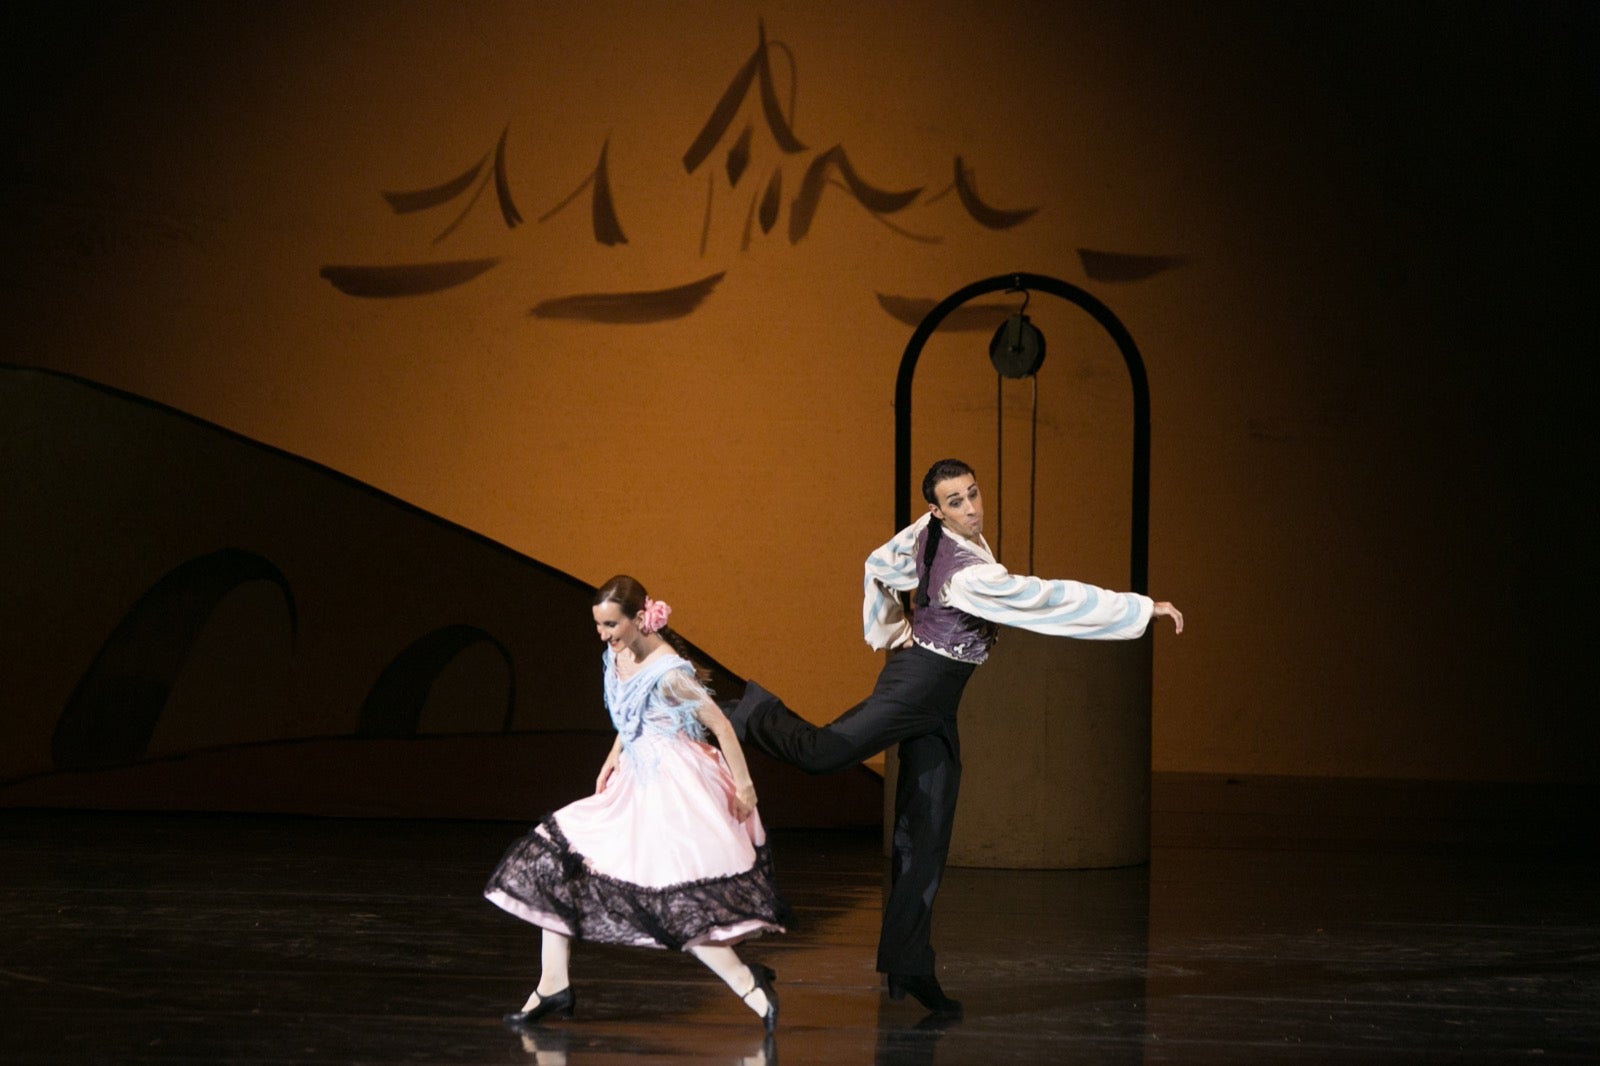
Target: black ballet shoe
927	991
560	1003
763	978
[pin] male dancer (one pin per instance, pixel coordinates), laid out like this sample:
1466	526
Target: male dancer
961	594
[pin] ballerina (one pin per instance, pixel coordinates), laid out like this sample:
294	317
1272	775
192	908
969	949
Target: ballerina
669	852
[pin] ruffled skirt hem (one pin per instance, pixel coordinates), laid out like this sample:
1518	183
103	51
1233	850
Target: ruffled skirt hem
543	881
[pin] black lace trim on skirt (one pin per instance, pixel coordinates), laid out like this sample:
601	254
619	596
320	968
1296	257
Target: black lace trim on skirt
542	871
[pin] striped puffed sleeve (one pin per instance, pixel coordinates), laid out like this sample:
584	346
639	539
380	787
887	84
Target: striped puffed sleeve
1056	608
891	568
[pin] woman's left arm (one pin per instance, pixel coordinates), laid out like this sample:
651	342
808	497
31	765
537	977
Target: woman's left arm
744	796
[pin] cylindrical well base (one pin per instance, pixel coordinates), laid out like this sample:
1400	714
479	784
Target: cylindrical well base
1055	754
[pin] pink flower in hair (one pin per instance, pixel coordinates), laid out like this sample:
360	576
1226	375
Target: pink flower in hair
655	615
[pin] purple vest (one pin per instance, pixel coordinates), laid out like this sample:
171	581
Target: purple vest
946	630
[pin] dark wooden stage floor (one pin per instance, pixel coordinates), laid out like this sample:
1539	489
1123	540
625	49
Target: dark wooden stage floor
1276	922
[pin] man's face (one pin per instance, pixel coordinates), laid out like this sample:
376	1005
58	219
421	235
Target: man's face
959	505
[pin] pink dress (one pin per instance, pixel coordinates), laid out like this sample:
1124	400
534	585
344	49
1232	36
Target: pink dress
657	859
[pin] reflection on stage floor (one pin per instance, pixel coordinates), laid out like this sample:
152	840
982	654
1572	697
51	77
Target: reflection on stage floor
1251	936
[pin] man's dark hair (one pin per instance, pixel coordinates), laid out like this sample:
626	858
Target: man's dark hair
943	470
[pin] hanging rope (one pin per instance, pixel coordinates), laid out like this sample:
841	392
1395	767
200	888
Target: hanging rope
1033	469
1016	350
999	464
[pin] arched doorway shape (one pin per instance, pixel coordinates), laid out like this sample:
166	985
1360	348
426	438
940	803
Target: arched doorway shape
1055	732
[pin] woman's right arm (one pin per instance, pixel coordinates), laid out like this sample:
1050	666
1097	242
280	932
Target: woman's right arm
609	766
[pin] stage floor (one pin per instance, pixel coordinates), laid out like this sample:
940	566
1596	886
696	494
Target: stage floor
1359	933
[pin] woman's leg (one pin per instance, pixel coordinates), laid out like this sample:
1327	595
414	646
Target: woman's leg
724	962
555	952
553	997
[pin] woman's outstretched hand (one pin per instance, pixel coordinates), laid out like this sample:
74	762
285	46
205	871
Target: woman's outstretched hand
1163	607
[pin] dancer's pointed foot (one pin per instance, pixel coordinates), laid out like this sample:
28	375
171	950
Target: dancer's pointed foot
560	1004
925	987
761	978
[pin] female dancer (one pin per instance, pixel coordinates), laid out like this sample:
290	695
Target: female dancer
669	852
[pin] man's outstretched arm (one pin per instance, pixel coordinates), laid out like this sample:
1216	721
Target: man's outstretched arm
1054	607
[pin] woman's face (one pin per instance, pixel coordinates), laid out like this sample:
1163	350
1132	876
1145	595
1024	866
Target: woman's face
615	628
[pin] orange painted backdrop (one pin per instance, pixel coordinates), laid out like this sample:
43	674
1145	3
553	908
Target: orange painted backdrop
1357	315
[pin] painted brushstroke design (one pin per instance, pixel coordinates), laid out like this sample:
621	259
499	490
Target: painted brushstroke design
607	227
502	185
406	279
404	203
968	318
1117	266
733	128
739	156
631	308
755	70
771	200
422	199
804	208
982	213
603	209
764	212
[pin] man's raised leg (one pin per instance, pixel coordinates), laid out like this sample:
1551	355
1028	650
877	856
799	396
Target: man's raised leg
883	718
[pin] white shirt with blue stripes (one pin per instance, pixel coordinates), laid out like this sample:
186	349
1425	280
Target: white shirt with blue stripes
987	589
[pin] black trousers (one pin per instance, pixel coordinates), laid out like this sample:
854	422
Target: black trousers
913	704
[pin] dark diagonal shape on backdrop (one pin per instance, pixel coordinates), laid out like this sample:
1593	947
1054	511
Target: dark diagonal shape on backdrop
763	212
739	156
969	318
771	199
407	279
1117	266
630	308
